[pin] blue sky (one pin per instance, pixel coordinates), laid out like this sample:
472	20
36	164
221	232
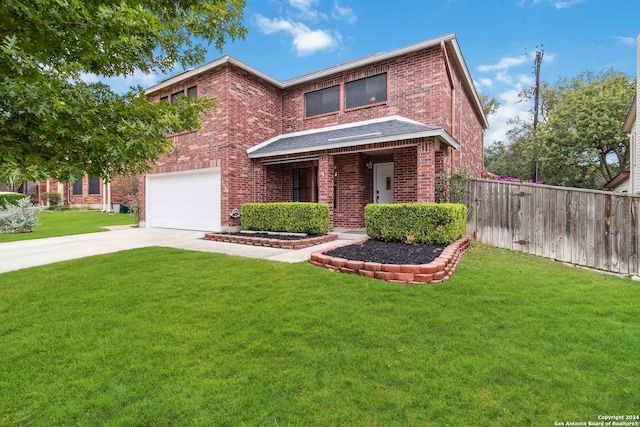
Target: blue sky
289	38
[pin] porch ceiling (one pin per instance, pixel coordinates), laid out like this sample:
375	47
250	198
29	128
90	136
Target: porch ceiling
387	129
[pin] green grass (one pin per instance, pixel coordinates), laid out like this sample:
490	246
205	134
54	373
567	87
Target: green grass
160	336
65	223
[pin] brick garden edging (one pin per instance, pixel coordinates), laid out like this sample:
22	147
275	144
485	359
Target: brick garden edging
272	243
437	271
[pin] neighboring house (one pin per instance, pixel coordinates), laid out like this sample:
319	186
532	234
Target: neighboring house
380	129
630	183
619	183
88	191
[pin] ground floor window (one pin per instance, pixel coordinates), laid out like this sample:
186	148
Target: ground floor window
94	185
77	187
303	185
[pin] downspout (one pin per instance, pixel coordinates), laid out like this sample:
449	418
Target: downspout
110	206
447	67
104	197
48	188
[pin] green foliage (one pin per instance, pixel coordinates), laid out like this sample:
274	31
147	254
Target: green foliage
578	142
490	105
10	199
55	124
292	217
432	223
20	217
452	188
52	197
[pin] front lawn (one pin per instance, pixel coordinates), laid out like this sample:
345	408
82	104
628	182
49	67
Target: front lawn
161	336
65	223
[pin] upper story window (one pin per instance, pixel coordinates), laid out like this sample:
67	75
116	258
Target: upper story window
369	90
192	92
174	96
164	99
322	101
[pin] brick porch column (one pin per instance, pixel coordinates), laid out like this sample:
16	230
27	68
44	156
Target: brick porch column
426	171
258	182
325	184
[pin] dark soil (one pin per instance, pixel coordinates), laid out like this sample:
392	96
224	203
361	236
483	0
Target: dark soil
272	236
388	252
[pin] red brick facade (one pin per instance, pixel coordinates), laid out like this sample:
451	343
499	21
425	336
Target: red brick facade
86	198
429	85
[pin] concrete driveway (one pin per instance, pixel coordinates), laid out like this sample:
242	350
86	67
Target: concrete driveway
32	253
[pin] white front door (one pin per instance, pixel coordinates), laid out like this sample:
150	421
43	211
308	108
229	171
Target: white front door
383	183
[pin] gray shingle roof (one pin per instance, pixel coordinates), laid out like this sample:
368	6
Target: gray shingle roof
393	128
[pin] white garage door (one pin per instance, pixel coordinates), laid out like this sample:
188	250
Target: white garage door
184	200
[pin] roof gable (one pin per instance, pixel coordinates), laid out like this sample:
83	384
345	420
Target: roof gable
446	40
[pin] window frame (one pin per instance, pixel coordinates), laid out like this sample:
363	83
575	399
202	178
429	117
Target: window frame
328	91
174	96
193	90
298	189
77	187
94	181
375	97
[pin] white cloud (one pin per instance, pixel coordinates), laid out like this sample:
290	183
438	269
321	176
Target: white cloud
302	4
305	40
510	108
629	41
306	10
525	80
558	4
486	82
565	4
504	63
505	78
344	13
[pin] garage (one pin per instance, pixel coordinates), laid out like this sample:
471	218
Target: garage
184	200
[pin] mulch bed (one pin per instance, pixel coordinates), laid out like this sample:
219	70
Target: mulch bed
388	252
273	236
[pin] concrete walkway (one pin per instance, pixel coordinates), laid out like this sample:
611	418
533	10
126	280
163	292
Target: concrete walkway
32	253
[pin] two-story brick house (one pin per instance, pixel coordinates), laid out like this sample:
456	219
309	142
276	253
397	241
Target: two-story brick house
379	129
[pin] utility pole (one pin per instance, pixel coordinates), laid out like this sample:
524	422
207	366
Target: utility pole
536	95
536	102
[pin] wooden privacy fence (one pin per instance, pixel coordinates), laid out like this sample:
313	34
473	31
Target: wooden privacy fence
597	229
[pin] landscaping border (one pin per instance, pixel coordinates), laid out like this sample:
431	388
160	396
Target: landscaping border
271	243
437	271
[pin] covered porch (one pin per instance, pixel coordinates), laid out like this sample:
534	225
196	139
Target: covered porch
391	160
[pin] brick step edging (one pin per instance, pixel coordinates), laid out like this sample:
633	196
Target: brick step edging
437	271
272	243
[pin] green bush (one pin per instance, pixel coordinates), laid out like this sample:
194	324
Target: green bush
20	217
293	217
432	223
10	199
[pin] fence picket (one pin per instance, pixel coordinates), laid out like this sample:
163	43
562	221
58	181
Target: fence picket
592	228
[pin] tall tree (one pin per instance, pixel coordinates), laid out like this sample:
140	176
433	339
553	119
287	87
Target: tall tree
578	142
52	123
583	125
490	105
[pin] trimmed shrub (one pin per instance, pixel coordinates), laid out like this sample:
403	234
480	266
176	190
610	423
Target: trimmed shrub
291	217
10	199
432	223
20	217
